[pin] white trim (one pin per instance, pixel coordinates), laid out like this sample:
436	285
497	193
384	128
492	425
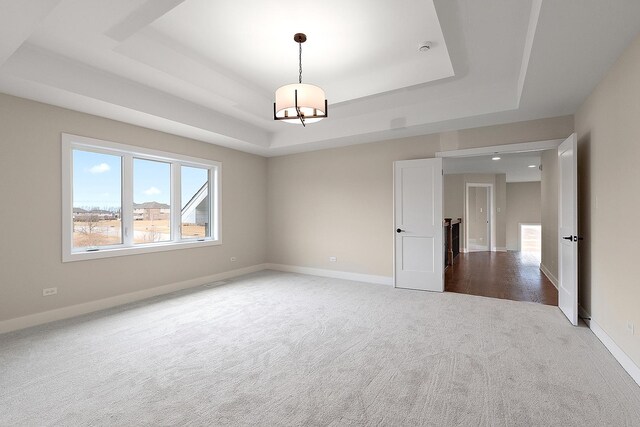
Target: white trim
335	274
500	249
128	153
627	364
101	304
553	279
139	248
523	147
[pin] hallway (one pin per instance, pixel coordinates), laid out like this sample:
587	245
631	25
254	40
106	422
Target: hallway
507	275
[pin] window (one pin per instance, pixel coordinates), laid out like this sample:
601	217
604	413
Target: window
151	201
120	199
97	199
195	202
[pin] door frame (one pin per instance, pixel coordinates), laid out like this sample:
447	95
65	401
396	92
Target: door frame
542	145
491	229
523	147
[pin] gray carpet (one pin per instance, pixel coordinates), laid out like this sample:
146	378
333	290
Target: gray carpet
285	349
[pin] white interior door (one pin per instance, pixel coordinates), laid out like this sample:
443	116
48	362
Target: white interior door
478	211
419	247
568	228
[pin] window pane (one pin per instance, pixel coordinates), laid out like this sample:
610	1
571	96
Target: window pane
195	202
151	201
97	199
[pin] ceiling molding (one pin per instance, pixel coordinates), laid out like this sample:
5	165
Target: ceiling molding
48	69
18	20
531	32
141	18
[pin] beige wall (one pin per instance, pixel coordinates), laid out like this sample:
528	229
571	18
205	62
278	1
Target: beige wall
339	202
523	207
608	127
549	211
453	196
303	208
30	190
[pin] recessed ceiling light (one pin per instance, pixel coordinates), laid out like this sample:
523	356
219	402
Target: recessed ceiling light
532	166
495	158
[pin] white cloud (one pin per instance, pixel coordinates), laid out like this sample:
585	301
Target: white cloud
101	168
151	191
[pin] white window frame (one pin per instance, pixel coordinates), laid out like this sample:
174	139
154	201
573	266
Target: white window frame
128	153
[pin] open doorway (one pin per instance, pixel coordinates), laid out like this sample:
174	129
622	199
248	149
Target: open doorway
531	239
509	224
478	213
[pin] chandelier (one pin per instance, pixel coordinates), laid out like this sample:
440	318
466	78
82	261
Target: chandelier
300	102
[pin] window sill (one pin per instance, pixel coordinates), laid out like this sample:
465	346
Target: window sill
137	250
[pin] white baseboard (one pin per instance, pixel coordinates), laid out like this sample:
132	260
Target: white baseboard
478	248
550	276
632	369
101	304
346	275
500	249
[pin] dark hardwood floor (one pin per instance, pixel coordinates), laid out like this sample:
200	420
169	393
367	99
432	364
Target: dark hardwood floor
507	275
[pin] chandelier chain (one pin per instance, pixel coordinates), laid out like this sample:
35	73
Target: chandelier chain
300	62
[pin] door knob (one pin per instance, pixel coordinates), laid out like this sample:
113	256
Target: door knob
399	230
568	238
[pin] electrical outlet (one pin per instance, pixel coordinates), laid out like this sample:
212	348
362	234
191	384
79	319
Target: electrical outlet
333	259
630	327
49	291
233	259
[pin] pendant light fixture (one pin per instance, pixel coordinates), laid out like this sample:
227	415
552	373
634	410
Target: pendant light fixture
300	102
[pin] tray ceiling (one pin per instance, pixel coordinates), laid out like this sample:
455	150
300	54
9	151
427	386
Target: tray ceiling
208	69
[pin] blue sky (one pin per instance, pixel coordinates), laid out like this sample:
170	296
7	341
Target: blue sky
97	180
192	179
151	181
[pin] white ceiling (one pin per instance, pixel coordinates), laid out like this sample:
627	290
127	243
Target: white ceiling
514	165
207	70
349	55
